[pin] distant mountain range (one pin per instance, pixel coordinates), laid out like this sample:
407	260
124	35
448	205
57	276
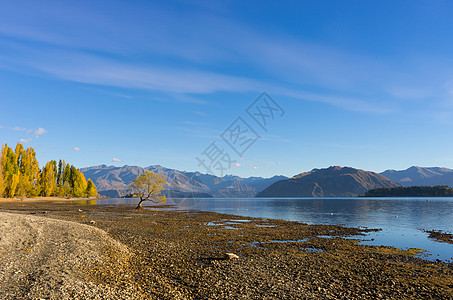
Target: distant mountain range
331	182
114	181
418	176
334	181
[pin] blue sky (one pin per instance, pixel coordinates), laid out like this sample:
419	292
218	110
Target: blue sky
367	84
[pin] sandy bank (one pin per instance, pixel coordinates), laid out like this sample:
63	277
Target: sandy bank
47	258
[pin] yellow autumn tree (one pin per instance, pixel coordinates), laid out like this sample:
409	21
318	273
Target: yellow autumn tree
20	176
91	189
33	173
28	172
47	180
21	161
1	174
79	183
64	187
10	172
148	186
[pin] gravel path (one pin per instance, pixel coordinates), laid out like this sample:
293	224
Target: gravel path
46	258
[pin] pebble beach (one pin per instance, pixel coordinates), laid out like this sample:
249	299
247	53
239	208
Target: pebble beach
53	250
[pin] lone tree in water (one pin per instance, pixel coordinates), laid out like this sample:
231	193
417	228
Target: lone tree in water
148	186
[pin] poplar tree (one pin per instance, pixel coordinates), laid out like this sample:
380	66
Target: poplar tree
28	171
20	175
22	162
47	180
79	183
67	174
33	179
10	171
1	174
64	188
60	171
91	189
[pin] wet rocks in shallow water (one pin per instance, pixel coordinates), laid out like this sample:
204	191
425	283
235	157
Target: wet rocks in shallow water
440	236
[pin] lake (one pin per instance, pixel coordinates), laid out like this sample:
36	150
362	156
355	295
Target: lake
401	219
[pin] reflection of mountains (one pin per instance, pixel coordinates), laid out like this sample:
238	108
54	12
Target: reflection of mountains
114	181
395	215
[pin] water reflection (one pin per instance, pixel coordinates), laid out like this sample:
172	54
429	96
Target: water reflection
81	202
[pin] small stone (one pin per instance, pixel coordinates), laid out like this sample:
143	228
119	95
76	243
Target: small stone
231	255
92	222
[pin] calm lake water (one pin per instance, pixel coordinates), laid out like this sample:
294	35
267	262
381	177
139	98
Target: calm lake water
401	219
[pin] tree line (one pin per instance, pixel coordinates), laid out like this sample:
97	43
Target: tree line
20	176
412	191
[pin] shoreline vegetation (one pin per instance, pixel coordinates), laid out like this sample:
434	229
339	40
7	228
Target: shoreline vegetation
411	191
48	199
21	176
151	254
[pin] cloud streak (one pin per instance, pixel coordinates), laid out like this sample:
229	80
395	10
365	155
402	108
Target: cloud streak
282	65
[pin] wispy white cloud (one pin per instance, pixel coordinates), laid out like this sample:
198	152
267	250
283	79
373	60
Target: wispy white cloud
445	117
116	160
254	167
39	131
413	92
200	113
76	149
275	138
356	146
162	79
199	131
348	103
24	141
193	123
36	132
286	64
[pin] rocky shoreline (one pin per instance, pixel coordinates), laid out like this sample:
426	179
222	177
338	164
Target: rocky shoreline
182	255
440	236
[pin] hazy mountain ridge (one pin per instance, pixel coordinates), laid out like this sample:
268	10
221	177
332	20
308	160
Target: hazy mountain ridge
421	176
334	181
114	181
